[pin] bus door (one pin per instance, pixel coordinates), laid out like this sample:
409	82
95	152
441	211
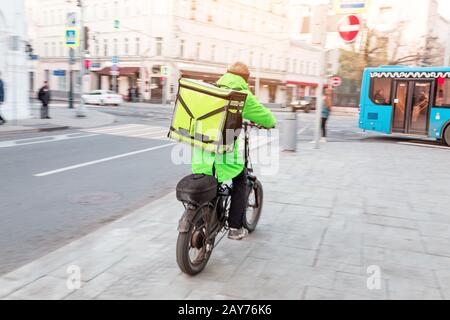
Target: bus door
411	105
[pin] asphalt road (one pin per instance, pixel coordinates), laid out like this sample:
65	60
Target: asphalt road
106	174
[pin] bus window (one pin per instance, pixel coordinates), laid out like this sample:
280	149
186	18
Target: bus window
381	91
443	94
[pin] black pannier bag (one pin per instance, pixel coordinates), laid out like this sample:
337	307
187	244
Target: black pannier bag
197	189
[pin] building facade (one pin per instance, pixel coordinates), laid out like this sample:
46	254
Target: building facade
13	60
410	27
192	38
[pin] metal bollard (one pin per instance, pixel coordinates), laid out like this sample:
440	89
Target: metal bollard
289	134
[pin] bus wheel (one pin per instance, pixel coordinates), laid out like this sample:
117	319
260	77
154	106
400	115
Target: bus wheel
447	136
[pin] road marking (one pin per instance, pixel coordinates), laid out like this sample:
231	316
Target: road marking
107	130
133	131
46	139
423	145
90	163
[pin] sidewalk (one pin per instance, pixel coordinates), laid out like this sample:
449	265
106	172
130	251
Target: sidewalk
62	118
328	216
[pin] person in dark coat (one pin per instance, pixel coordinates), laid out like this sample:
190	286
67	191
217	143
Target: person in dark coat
2	98
44	97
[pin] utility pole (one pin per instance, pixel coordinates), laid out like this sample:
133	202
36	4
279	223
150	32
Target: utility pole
319	101
71	62
81	112
319	18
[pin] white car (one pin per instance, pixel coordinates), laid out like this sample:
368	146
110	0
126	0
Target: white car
103	97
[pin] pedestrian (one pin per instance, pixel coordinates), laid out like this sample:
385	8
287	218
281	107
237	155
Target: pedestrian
129	94
326	110
2	98
44	97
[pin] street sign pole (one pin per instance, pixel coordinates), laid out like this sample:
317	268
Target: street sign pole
319	102
71	56
81	112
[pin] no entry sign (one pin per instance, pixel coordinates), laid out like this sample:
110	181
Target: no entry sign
336	81
349	28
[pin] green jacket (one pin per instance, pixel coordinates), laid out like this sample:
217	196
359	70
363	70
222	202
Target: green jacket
230	165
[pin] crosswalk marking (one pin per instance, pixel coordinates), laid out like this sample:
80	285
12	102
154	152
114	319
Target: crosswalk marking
133	131
160	133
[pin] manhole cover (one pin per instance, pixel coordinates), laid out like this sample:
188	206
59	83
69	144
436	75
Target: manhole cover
95	198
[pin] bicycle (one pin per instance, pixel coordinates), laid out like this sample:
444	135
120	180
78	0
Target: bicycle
207	205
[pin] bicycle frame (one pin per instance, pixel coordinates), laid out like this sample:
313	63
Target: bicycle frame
219	206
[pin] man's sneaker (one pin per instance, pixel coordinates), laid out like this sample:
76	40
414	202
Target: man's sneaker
237	234
323	140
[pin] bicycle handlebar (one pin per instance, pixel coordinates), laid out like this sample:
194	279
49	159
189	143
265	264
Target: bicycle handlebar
254	125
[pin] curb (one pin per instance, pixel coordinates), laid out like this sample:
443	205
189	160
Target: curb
34	130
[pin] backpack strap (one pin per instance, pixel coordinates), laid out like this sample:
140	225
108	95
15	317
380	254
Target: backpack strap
181	100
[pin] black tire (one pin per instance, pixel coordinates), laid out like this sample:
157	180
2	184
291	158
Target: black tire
446	136
254	208
184	242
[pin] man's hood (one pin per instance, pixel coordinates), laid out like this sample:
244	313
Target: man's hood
232	81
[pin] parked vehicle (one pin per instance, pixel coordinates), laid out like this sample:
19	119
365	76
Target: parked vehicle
305	105
103	97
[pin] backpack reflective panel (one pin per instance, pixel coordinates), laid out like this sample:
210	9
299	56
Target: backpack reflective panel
206	116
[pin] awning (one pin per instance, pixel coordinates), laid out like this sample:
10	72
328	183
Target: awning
123	71
304	84
209	77
265	81
213	77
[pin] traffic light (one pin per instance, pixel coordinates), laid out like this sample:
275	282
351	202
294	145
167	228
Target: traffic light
86	39
87	64
116	24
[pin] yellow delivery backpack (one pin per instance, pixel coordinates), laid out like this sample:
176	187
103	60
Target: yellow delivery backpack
206	116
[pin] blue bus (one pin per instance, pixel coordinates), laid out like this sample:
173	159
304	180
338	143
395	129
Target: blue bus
412	101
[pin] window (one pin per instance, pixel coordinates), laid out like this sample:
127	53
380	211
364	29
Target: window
126	49
193	9
97	48
115	48
381	91
138	46
197	52
159	46
116	9
46	49
443	93
105	47
213	53
105	11
182	43
251	59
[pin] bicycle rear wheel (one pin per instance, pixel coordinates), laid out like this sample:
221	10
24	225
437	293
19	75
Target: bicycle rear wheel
192	254
254	207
